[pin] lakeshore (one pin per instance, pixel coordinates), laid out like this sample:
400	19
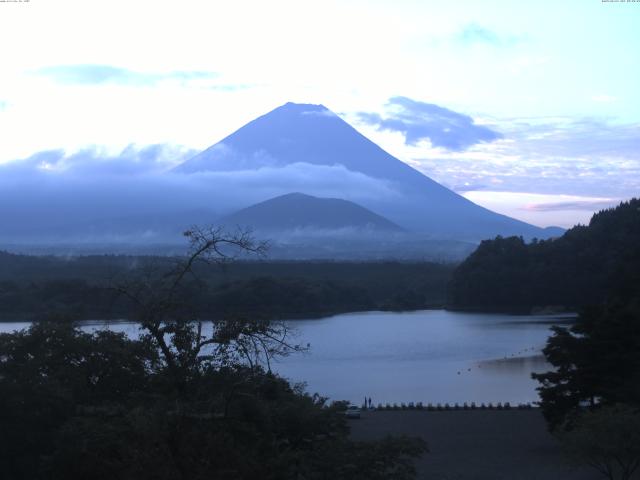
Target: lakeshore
428	356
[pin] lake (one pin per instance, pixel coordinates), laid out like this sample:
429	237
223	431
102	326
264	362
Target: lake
427	356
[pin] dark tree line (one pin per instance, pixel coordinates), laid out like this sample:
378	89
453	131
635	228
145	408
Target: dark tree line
34	286
578	269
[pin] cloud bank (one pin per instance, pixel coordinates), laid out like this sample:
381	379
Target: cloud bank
92	195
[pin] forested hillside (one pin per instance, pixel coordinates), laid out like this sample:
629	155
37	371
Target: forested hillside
580	268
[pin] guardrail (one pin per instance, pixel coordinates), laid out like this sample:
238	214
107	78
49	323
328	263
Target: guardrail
430	407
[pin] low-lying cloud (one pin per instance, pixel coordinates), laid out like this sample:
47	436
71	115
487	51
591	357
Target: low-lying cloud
86	192
87	74
96	161
419	121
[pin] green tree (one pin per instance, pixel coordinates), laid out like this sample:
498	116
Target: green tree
54	372
597	360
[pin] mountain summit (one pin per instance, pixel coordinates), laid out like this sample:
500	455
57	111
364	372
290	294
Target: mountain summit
313	135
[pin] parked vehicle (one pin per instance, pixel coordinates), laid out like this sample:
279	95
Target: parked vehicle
353	411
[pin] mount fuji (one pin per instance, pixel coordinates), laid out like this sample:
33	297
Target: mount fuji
304	134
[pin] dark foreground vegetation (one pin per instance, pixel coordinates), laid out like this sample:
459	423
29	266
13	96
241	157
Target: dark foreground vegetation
101	406
592	397
31	287
177	403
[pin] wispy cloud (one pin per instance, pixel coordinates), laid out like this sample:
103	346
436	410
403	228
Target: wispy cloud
590	157
604	98
587	204
469	187
425	121
474	33
319	113
543	209
86	74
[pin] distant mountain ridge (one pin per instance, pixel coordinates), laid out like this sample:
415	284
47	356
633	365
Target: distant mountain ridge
300	211
312	134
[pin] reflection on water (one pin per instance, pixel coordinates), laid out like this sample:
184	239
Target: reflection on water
428	356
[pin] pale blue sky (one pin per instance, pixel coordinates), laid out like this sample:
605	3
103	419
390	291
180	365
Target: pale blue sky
556	81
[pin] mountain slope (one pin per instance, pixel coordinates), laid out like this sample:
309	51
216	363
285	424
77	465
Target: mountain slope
297	210
314	135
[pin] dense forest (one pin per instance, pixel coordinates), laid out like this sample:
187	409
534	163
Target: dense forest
83	287
577	269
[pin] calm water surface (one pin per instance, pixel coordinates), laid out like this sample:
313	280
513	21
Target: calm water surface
428	356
